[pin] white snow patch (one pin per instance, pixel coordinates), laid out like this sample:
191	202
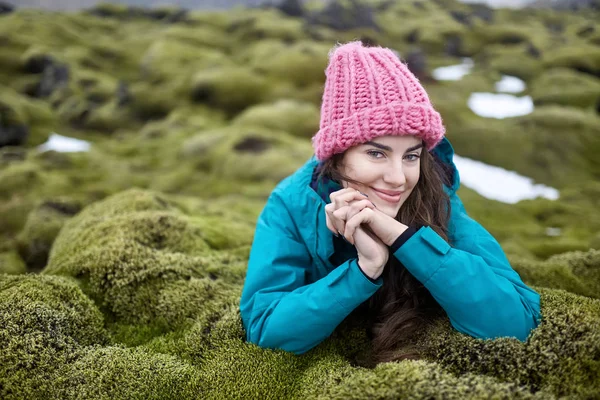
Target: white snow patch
493	105
453	72
510	84
499	184
64	144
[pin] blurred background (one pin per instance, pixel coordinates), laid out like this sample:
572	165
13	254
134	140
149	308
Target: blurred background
216	102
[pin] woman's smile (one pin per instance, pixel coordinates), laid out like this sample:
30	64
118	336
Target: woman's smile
391	196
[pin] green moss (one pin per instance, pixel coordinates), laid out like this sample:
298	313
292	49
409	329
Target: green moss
117	373
230	88
581	58
573	271
566	87
299	119
557	145
11	263
172	53
302	63
41	228
247	154
35	116
565	344
129	250
44	319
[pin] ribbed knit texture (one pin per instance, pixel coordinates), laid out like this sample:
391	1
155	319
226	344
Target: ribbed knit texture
369	93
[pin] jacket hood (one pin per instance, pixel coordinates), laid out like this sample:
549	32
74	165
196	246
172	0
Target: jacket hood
444	154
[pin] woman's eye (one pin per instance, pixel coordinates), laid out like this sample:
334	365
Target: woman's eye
375	154
412	157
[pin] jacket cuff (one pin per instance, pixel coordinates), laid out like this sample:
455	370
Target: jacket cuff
404	236
366	276
423	253
350	286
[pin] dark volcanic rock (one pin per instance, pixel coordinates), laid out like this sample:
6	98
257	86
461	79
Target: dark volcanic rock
293	8
6	8
123	94
337	16
417	63
11	134
454	46
533	51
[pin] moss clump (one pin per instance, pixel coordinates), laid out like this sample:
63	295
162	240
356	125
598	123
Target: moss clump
30	120
11	263
128	251
566	87
576	272
558	145
583	58
302	63
230	88
299	119
41	228
44	320
565	344
173	54
238	155
116	372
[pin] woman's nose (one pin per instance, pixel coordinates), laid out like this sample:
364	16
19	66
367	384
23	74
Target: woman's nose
394	175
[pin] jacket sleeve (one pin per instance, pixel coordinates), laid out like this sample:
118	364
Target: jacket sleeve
473	280
280	308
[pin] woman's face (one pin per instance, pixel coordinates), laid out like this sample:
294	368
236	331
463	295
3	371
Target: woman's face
388	168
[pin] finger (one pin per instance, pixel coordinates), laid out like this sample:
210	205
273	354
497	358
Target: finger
340	192
335	218
330	225
346	198
339	218
356	207
363	217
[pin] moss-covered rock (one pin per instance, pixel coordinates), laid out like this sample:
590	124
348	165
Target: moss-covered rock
118	372
566	343
239	154
566	87
129	250
11	263
557	145
230	88
577	272
297	118
302	63
581	58
24	121
44	320
41	228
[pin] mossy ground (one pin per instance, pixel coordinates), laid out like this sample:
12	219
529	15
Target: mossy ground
121	268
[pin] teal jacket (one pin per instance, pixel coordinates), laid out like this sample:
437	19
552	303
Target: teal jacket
293	297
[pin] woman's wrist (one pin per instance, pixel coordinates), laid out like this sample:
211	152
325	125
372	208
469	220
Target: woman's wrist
395	230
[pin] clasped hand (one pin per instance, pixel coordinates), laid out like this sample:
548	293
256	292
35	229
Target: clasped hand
371	231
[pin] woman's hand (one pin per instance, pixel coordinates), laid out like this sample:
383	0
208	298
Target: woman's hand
373	254
384	227
344	204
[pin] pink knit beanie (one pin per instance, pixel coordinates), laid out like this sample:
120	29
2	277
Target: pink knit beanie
369	93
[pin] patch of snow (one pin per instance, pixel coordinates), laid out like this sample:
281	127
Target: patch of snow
499	184
453	72
552	231
493	105
510	84
64	144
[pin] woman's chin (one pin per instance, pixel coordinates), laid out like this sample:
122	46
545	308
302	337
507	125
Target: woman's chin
389	209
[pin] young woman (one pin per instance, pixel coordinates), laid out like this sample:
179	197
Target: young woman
373	220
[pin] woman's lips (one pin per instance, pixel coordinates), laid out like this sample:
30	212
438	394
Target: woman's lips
388	195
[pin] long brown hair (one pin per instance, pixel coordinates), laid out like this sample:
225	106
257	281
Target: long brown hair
403	307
